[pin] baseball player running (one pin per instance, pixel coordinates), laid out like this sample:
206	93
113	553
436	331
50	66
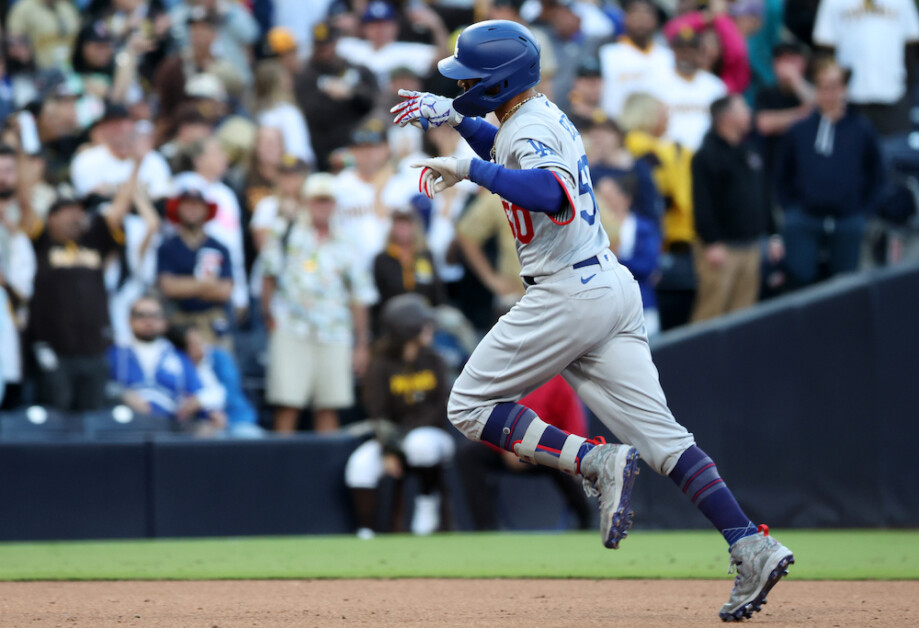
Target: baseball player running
581	314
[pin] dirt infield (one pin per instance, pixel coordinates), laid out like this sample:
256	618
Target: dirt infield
505	603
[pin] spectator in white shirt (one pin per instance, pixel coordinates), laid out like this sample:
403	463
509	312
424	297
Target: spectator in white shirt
380	49
208	164
688	91
875	39
629	65
102	168
274	93
362	212
274	214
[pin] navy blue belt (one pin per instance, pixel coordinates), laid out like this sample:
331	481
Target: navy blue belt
590	261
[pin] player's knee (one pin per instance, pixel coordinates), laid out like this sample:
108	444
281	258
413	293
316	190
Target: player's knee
664	459
462	415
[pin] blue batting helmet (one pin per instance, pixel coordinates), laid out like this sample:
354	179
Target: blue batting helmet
503	54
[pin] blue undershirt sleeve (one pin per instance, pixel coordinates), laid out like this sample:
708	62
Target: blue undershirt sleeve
536	190
479	134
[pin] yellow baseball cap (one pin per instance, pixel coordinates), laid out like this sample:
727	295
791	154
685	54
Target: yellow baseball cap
281	40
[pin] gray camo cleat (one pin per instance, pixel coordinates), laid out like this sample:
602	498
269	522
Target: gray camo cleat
609	471
761	562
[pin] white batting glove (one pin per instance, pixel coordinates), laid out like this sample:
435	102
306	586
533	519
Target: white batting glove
449	170
422	109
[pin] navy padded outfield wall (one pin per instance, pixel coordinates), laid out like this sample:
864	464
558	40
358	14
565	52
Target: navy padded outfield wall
807	403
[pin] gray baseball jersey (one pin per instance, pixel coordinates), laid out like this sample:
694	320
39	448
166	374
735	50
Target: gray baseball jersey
584	322
539	135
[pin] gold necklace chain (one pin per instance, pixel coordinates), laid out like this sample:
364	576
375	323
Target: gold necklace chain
509	113
518	106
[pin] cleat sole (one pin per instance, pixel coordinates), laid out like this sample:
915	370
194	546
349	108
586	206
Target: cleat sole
622	518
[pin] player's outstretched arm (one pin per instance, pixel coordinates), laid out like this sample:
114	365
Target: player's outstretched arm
536	189
423	109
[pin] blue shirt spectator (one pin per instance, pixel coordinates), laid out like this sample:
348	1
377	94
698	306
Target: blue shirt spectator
194	270
830	167
209	259
151	375
222	389
830	177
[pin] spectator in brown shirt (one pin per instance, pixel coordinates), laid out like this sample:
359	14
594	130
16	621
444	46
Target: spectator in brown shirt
405	391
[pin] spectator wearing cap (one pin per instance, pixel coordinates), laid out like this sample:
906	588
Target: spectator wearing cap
362	212
406	264
688	91
721	22
196	58
283	47
584	106
548	65
274	96
103	77
68	329
608	157
94	58
277	212
50	25
57	123
101	169
152	376
630	64
779	107
875	40
194	269
206	167
379	48
830	176
333	94
405	391
235	31
314	301
731	213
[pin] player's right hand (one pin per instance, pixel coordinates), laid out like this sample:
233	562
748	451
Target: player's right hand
422	109
449	170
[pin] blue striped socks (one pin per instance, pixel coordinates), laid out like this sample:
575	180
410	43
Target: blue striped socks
698	478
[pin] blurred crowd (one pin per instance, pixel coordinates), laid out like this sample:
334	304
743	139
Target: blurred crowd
205	209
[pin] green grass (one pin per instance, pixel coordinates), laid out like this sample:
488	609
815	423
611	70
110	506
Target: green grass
821	555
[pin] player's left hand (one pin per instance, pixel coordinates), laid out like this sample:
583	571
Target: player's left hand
449	170
422	109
